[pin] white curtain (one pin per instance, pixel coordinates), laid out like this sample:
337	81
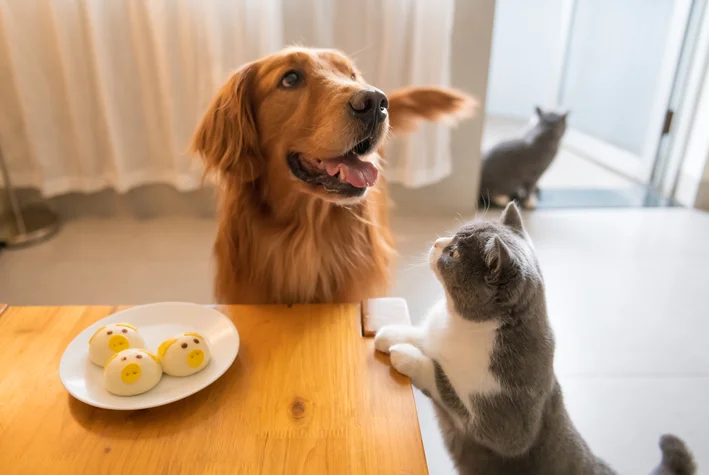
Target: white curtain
106	93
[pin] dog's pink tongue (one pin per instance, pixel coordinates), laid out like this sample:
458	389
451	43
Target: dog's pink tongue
358	173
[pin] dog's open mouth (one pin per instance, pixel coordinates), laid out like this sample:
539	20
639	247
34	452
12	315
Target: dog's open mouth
347	175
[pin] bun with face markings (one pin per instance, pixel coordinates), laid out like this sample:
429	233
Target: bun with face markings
111	339
185	354
131	372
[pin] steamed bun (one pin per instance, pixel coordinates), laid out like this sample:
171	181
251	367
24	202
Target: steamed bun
130	372
184	355
111	339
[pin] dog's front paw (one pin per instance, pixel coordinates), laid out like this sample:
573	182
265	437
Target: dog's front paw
406	359
390	335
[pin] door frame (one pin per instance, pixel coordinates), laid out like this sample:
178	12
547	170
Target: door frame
636	167
684	103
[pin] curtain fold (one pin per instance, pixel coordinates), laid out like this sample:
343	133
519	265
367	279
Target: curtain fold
107	93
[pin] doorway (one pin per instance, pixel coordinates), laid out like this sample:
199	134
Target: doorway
617	75
615	66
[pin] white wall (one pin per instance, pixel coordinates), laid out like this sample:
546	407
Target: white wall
472	35
692	149
702	199
526	55
693	181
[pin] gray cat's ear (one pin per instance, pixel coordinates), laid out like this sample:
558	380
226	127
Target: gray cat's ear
498	258
565	115
512	218
538	110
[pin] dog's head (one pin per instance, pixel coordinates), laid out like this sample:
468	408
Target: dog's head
301	117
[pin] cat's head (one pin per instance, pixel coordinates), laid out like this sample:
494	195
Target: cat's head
552	120
488	268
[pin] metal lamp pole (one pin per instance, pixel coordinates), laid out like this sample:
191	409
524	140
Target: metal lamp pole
27	225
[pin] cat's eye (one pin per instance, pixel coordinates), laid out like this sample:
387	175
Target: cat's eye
353	76
291	79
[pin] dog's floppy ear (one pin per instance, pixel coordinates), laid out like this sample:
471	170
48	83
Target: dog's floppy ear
227	137
411	105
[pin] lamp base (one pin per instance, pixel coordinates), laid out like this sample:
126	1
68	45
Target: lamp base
41	223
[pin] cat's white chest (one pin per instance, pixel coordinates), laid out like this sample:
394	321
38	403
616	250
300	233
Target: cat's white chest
463	349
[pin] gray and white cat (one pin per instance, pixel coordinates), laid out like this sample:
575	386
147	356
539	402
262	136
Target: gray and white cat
511	169
485	357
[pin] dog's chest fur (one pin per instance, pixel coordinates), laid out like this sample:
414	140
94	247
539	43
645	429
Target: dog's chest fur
325	254
323	264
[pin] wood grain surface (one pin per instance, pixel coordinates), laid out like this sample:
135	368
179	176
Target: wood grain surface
307	394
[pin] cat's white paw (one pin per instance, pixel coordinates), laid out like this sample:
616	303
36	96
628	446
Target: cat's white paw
390	335
500	200
530	202
406	359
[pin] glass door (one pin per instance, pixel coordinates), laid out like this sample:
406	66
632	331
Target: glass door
616	79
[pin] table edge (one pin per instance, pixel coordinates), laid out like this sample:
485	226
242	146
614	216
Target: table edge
369	324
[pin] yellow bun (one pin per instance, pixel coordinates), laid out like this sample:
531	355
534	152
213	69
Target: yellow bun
185	354
111	339
131	372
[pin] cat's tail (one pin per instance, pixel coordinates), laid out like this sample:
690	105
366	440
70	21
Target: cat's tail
676	457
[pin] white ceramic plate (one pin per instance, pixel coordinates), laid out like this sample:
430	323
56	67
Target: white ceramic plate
156	323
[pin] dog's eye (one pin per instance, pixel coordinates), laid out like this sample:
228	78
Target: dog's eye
291	79
353	76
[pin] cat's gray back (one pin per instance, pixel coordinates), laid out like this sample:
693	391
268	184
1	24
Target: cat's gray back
519	163
491	273
498	169
524	428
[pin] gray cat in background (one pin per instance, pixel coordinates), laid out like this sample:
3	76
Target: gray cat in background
485	357
511	169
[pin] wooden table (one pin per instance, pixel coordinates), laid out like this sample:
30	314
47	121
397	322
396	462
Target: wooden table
307	394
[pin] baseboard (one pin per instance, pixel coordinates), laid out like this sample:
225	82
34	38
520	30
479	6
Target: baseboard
143	202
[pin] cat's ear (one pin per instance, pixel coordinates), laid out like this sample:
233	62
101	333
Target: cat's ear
565	115
512	218
538	110
497	259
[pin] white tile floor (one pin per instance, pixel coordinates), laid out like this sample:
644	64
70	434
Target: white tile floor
568	170
628	296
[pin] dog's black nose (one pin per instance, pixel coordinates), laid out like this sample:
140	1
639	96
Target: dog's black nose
369	105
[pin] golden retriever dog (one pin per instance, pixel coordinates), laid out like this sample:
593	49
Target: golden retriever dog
293	140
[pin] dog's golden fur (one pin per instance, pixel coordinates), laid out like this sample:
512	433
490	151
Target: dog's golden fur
281	240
